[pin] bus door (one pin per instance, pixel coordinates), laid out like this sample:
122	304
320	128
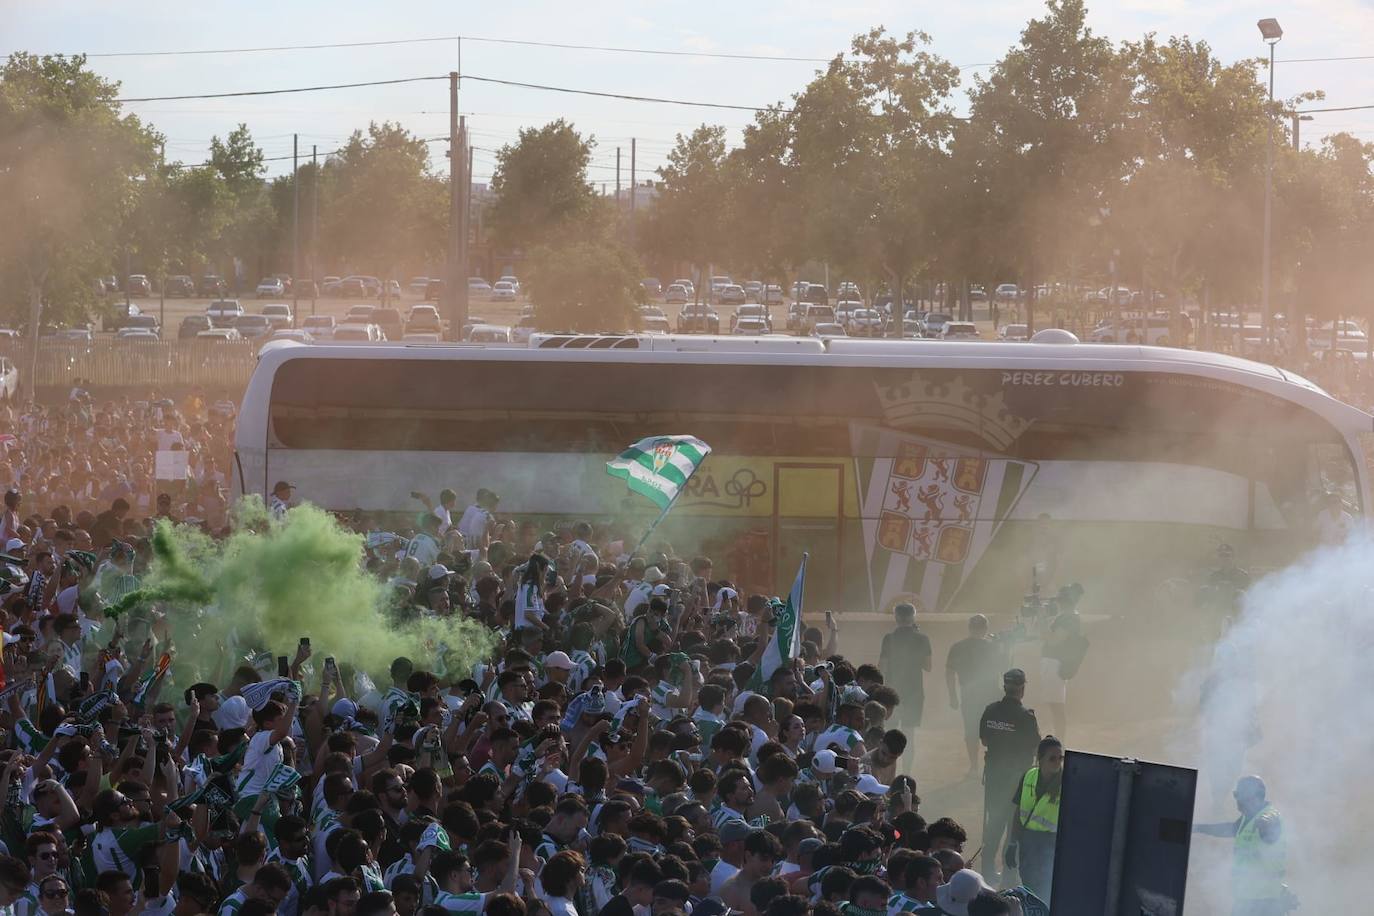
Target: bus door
808	517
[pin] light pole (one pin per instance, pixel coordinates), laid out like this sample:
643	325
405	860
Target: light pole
1270	30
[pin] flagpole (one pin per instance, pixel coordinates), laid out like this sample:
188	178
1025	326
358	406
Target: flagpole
644	540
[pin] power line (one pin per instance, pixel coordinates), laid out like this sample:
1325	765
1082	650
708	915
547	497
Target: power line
1321	60
662	52
1325	110
616	95
231	95
479	79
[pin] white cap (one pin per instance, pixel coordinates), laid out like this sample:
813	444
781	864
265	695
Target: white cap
439	571
654	574
558	659
232	713
823	762
14	544
963	886
660	591
868	785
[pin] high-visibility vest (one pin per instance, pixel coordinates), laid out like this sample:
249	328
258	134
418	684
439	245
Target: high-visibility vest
1037	814
1257	869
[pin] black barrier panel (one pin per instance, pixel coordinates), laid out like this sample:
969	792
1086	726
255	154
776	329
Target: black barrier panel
1138	864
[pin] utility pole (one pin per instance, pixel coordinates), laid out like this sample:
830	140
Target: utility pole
464	186
295	227
633	190
455	206
617	178
314	224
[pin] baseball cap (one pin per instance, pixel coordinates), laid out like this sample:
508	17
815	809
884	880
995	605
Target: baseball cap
868	785
439	571
558	659
734	830
14	544
823	762
661	591
1014	676
963	886
281	485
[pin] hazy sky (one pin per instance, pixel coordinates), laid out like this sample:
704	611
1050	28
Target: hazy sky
967	33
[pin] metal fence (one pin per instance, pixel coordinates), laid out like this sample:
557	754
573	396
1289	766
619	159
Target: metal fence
159	364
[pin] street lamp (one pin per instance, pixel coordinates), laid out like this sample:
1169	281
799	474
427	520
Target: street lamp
1272	33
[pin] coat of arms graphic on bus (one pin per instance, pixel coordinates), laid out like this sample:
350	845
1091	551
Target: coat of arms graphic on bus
931	507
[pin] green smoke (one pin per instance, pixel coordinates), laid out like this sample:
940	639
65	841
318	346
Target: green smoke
273	582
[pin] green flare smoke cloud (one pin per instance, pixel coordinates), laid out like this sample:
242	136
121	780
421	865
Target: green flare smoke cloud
273	582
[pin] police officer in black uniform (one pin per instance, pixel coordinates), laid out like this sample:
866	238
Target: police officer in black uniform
1010	733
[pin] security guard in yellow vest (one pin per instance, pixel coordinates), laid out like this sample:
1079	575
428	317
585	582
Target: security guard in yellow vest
1035	823
1257	867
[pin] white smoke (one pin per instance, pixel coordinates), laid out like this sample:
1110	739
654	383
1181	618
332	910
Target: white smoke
1289	695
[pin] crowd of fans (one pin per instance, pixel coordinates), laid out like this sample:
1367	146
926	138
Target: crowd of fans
620	753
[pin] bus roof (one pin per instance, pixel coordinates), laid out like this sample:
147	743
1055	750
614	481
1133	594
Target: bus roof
814	351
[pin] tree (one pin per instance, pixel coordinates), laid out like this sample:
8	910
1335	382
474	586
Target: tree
69	168
690	212
583	285
239	162
1048	129
540	188
385	209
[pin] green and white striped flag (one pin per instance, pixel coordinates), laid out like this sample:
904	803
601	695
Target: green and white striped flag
658	467
785	644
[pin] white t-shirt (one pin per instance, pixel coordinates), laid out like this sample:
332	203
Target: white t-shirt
723	872
424	549
258	763
473	525
529	606
445	519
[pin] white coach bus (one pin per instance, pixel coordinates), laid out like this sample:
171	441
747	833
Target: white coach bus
933	471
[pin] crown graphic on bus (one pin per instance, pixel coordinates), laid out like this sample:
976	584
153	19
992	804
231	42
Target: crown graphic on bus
950	405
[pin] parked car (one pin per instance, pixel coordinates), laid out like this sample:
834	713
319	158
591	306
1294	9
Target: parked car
816	293
511	279
818	314
210	286
390	321
488	333
352	288
436	289
279	313
220	335
422	337
139	285
865	323
180	286
676	294
1013	332
1007	292
329	286
772	294
524	329
750	327
392	289
687	285
731	294
81	335
503	291
651	287
959	330
359	314
418	286
192	325
299	335
477	288
358	333
321	327
253	326
423	319
699	318
136	334
655	324
9	379
828	329
224	312
270	287
141	322
977	294
934	323
753	290
748	311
